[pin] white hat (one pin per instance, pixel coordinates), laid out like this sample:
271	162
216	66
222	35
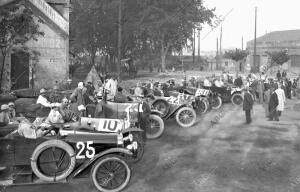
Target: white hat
42	90
80	85
4	107
11	104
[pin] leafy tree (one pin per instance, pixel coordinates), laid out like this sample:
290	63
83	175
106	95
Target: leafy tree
17	26
236	54
278	57
169	24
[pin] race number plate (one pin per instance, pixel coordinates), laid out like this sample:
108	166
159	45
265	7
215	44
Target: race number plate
173	100
110	125
202	92
85	150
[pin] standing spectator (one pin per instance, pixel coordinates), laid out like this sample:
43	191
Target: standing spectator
263	76
289	89
294	87
111	86
260	90
248	105
278	75
267	96
283	75
281	99
78	96
273	103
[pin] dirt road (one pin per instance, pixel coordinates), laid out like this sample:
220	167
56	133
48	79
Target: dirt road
228	156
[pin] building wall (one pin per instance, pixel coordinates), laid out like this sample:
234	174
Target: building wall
293	48
53	62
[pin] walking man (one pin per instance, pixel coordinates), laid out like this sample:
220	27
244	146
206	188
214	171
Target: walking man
248	105
281	99
273	103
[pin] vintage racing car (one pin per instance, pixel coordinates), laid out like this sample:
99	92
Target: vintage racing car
71	151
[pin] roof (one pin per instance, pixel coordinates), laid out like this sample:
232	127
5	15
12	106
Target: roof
277	36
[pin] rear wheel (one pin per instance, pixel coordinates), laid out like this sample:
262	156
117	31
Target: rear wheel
186	117
53	160
202	105
156	127
161	106
237	99
110	173
216	102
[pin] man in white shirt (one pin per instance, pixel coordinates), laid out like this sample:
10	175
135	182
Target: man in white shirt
219	83
206	82
281	99
112	85
42	99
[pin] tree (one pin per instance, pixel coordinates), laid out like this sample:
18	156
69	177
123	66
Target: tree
278	57
17	26
236	55
169	24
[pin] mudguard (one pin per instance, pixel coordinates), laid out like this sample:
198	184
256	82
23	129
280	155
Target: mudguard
175	110
156	112
87	163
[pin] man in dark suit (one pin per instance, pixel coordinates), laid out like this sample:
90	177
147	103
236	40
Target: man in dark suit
248	105
273	105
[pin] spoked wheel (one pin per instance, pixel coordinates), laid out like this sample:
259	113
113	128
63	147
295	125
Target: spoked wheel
186	117
202	105
110	174
237	99
162	106
53	160
216	102
156	127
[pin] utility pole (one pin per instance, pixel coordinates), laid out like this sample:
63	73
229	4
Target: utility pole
217	55
194	42
199	48
242	43
119	37
254	54
221	54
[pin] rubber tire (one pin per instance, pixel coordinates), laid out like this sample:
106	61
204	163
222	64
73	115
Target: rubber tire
161	127
220	103
104	159
165	103
48	144
184	109
237	95
206	104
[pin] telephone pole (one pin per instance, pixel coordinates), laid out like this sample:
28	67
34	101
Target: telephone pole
119	37
242	43
194	42
199	48
254	54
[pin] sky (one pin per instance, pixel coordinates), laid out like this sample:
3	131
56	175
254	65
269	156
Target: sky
271	16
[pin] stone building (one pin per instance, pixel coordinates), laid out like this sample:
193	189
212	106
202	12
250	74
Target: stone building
276	41
52	64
